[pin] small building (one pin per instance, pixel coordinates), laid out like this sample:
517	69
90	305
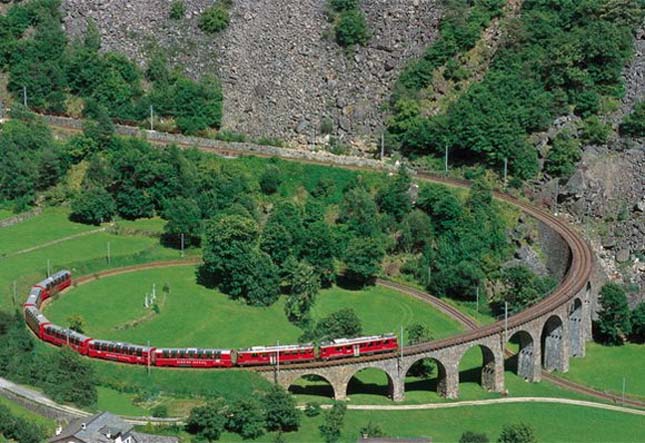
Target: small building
105	428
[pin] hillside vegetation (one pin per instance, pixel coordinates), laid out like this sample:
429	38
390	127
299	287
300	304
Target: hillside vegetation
557	58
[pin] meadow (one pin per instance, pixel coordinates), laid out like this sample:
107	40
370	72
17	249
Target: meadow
192	315
605	366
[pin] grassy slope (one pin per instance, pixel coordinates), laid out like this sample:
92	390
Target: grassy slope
5	213
604	368
51	225
20	411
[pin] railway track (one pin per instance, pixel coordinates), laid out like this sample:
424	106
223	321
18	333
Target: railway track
574	281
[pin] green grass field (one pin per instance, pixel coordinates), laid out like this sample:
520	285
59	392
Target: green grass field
51	225
192	315
605	366
5	213
553	423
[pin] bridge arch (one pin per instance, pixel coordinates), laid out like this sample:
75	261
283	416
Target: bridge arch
554	356
433	377
489	373
312	384
371	383
576	329
525	363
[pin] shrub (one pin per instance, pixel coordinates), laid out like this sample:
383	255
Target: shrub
270	180
93	206
351	28
177	10
312	409
563	156
594	131
214	19
343	5
160	411
634	123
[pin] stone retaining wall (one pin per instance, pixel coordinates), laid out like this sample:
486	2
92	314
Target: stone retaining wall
14	220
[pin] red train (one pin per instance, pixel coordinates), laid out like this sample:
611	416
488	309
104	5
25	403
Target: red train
188	357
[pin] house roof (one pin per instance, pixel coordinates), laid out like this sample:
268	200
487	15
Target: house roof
97	429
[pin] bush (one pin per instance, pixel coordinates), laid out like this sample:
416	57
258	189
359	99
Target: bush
517	433
594	131
634	123
160	411
473	437
614	322
270	180
214	19
563	156
344	5
312	409
94	206
177	10
351	28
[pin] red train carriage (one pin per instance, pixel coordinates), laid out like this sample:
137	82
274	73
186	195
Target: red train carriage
354	347
192	358
121	352
36	320
66	337
269	355
55	283
35	297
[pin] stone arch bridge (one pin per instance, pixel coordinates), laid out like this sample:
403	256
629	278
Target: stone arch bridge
548	333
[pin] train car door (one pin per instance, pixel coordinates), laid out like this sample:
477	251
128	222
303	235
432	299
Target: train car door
357	350
273	358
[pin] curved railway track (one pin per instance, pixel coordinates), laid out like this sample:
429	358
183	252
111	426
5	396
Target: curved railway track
573	282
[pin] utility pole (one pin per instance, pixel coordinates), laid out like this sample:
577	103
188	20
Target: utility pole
446	160
48	268
148	358
24	96
14	296
401	346
182	244
382	146
277	360
623	391
109	259
555	200
152	118
505	322
478	299
505	171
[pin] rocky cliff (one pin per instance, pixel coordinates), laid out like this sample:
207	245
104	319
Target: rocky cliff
281	71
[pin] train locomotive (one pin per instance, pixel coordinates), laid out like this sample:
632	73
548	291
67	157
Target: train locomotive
188	357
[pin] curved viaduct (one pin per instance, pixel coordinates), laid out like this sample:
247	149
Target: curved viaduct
549	333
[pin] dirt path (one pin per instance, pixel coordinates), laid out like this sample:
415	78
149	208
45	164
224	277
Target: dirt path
54	242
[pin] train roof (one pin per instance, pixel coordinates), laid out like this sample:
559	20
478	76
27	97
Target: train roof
349	341
278	348
70	332
54	276
39	316
223	351
35	290
116	343
32	299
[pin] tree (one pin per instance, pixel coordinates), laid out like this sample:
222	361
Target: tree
183	217
76	323
416	232
225	238
638	323
281	412
332	425
207	421
394	198
69	378
93	206
270	180
304	285
563	155
473	437
363	259
318	249
522	288
246	417
517	433
418	333
343	323
359	212
614	322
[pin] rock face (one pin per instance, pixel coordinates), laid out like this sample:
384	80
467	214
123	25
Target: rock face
281	71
